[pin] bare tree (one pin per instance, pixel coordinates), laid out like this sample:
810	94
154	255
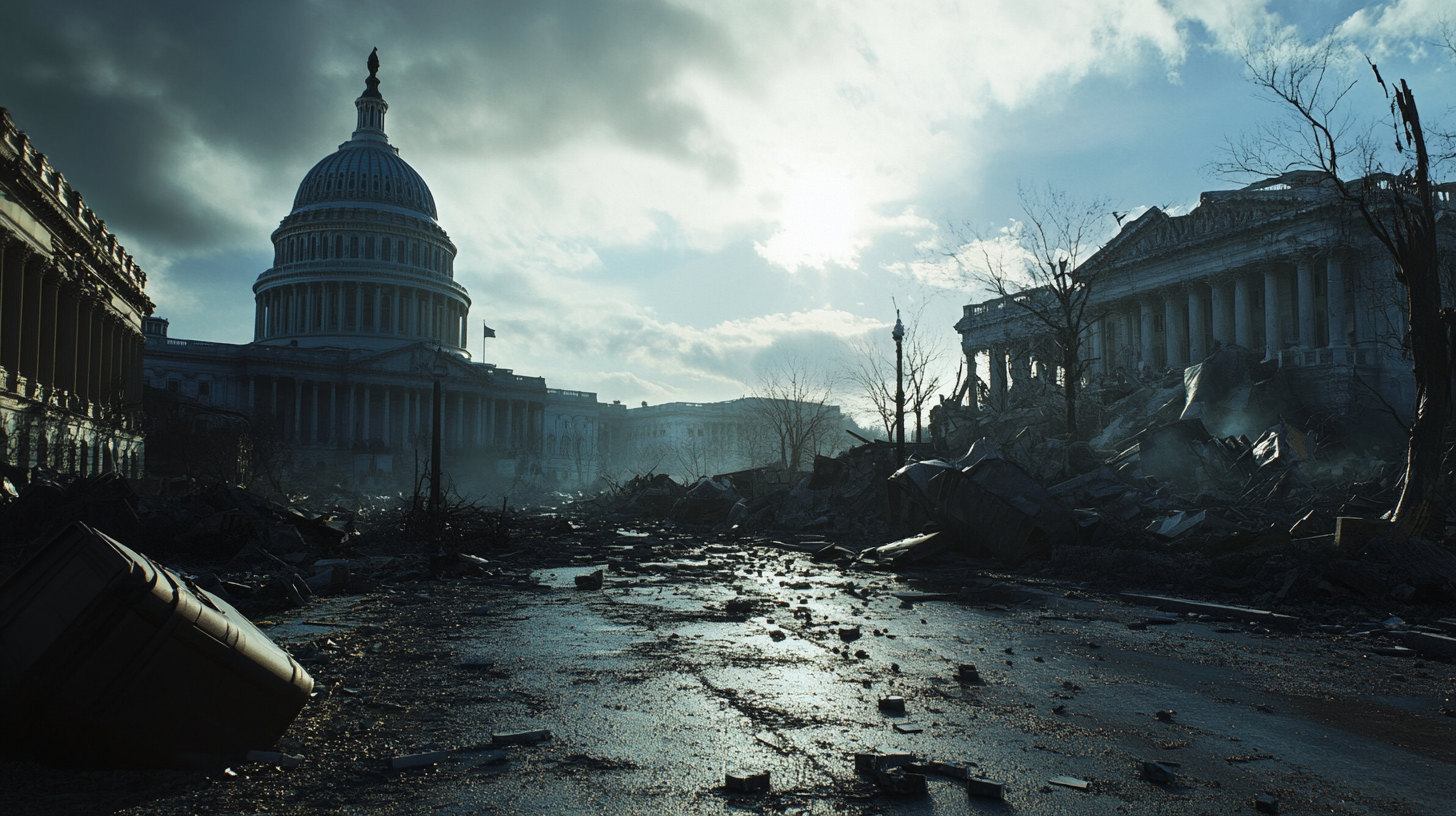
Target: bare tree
870	369
1038	265
791	404
1395	195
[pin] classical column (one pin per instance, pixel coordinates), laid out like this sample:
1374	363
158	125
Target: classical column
1145	321
997	376
368	425
46	353
1335	302
1175	330
308	321
1243	317
12	292
460	425
333	414
1223	312
510	424
313	392
1273	339
385	396
479	420
258	317
1197	329
339	306
297	410
359	316
1307	332
66	344
350	432
1094	349
92	331
29	322
378	307
973	385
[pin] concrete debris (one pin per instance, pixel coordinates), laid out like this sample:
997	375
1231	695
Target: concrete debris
968	674
520	737
893	705
1215	611
592	580
401	763
985	789
747	783
1070	782
1160	773
1266	803
892	772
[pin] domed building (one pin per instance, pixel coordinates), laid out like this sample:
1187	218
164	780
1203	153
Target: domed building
357	317
361	260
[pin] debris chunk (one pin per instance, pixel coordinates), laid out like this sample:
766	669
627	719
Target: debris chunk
1160	773
849	634
278	758
1070	782
893	705
590	581
985	788
1264	803
967	673
520	737
401	763
746	783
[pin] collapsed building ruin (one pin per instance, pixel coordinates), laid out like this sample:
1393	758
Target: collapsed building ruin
1285	267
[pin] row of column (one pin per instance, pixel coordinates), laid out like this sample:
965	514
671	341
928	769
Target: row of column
59	344
342	414
327	308
1248	309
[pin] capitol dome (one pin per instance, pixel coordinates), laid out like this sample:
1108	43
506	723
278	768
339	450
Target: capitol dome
360	261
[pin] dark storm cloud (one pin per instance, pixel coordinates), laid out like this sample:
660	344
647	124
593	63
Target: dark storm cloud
116	93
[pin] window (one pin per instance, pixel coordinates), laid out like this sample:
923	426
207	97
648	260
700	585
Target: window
415	254
369	247
1158	323
338	246
313	248
384	249
353	246
174	386
204	389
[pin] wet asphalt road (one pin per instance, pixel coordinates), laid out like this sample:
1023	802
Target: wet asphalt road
653	691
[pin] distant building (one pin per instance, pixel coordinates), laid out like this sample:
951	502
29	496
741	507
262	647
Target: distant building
71	308
1283	267
357	317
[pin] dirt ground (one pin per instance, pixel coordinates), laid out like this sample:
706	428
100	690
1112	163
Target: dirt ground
702	655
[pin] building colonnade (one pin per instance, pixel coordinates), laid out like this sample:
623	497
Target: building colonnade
359	308
59	343
345	414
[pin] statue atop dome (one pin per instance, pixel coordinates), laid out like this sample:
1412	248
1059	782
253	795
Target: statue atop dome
371	85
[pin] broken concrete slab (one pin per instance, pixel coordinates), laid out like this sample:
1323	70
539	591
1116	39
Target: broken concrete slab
1160	773
1213	610
520	737
985	789
401	763
1429	644
746	783
1070	782
590	581
893	705
1266	803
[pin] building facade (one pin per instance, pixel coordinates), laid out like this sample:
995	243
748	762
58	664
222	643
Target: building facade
1283	267
72	303
357	318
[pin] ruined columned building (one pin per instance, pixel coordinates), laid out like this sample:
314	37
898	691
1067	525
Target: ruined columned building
1283	267
358	316
71	311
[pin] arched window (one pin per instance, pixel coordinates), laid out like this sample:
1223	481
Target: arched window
313	248
353	246
369	247
351	182
415	254
338	246
384	249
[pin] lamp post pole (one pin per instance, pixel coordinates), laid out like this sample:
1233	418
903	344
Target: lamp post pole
899	335
435	428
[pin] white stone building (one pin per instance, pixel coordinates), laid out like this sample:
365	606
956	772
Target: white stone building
357	317
1284	267
71	308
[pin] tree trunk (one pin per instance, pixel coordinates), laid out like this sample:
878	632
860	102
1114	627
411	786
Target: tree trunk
1070	365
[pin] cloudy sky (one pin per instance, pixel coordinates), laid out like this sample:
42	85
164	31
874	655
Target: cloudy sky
654	200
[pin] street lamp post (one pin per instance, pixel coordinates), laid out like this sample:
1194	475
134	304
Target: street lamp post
441	369
899	335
